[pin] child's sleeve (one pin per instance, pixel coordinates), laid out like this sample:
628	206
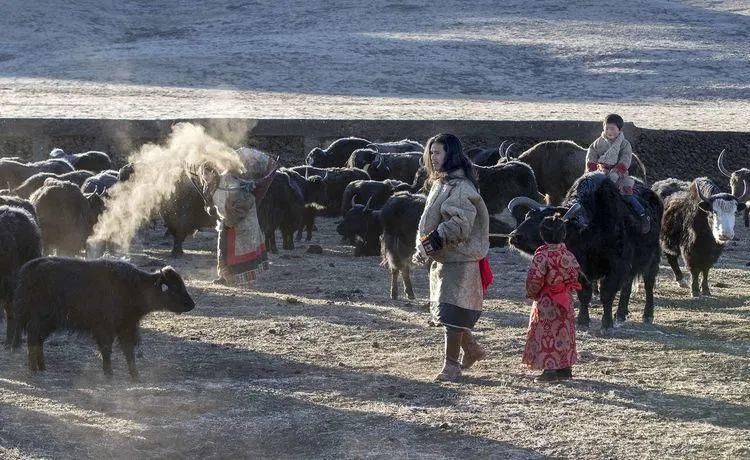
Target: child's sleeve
536	275
592	155
623	162
626	157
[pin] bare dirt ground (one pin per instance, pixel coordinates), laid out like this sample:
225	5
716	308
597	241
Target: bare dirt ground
317	361
662	64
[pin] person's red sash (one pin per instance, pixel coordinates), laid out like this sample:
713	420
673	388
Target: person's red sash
559	293
486	273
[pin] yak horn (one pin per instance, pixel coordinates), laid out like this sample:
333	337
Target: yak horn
700	194
502	152
744	190
572	211
507	151
524	200
720	163
354	202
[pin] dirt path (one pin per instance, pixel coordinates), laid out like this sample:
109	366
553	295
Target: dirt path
318	362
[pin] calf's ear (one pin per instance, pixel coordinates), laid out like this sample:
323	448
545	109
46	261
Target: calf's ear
705	207
161	278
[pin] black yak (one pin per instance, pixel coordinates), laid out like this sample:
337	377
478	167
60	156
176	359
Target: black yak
105	298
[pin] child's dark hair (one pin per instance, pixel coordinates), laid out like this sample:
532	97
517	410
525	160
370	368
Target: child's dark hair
455	158
552	229
614	119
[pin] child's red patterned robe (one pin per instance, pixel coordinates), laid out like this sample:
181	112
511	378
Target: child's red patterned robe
551	337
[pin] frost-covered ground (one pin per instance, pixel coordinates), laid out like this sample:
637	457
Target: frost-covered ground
663	64
318	362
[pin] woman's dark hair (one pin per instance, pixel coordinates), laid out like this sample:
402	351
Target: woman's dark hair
552	229
454	158
614	119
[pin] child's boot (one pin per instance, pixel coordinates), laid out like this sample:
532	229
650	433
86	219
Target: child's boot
565	374
451	369
473	352
640	211
549	375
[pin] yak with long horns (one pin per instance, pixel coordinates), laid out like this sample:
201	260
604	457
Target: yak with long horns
698	222
738	181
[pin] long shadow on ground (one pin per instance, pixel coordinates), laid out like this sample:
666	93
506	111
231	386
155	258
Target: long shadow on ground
204	399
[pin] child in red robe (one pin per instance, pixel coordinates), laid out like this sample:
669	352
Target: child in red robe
551	337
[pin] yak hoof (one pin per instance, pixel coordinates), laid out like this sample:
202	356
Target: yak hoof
583	327
619	323
410	296
648	320
683	283
177	253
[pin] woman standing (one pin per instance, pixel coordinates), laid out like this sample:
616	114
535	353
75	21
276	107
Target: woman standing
454	232
241	247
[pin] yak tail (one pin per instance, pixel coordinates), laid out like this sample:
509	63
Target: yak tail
391	248
16	330
387	245
635	286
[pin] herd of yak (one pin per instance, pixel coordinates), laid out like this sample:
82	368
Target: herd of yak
48	210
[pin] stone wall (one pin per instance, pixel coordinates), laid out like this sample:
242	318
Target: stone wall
681	154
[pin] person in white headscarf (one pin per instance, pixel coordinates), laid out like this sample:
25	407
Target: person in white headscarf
241	246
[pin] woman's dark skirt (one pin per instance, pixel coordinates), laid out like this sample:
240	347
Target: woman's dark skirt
453	316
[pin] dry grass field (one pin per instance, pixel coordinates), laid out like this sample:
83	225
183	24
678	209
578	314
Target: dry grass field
666	64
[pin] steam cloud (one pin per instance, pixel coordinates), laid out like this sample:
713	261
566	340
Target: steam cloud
158	169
